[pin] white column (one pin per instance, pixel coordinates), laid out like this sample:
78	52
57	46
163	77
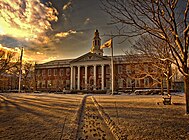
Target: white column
78	78
94	77
110	83
71	78
74	77
102	76
85	77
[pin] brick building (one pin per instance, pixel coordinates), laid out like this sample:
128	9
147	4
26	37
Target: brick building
93	71
8	82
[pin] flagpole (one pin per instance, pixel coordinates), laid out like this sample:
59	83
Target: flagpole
109	44
112	65
20	73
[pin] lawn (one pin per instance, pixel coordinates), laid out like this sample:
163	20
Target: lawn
145	117
37	116
52	116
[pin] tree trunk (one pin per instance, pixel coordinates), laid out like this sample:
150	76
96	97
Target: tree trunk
161	85
168	86
169	80
186	91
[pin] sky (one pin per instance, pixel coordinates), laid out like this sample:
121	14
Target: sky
53	29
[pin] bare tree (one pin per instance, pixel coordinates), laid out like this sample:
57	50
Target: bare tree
6	61
167	20
139	68
157	50
28	80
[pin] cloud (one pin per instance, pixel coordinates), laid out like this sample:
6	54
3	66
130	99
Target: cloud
33	51
15	51
27	23
26	19
87	21
39	53
64	17
65	34
67	5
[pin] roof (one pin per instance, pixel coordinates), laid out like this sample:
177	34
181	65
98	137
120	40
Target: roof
90	57
118	59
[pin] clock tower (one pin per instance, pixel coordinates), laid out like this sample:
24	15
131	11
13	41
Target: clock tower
96	44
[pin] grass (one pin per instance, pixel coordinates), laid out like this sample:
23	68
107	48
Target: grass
140	117
42	116
37	116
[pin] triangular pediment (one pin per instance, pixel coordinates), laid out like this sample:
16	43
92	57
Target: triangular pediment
90	57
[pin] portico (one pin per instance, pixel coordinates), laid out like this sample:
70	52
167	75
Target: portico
91	74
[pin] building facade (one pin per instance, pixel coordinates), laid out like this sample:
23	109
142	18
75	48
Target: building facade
92	71
8	82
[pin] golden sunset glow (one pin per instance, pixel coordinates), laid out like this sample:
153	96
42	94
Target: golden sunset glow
45	28
1	31
15	51
25	19
65	34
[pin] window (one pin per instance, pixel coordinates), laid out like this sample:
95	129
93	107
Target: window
43	84
49	72
108	70
146	82
55	72
67	83
43	72
62	82
91	70
38	72
128	69
137	69
120	83
129	82
67	71
137	83
99	70
108	83
55	84
61	72
39	84
49	84
120	69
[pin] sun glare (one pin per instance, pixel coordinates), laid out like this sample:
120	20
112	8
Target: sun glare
1	31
